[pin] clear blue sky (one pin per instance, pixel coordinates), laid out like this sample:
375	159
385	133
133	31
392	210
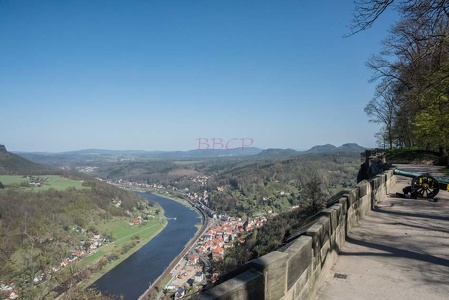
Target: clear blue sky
157	75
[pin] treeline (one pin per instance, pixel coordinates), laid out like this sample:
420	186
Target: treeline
412	74
154	171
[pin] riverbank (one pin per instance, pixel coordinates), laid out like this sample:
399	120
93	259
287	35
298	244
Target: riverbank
134	275
168	196
145	234
127	236
161	281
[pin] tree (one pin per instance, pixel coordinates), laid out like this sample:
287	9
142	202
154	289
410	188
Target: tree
366	12
313	196
381	139
432	124
383	109
78	292
411	98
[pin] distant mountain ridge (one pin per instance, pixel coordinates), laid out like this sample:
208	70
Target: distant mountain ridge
329	148
321	149
87	155
318	149
276	152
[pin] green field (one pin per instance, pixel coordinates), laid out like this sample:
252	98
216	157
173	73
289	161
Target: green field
56	182
122	233
12	179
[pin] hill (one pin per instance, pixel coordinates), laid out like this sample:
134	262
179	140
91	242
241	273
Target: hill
12	164
321	149
350	148
272	152
329	148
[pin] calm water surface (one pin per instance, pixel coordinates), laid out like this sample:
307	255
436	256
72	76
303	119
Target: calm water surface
132	277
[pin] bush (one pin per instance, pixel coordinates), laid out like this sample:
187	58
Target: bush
113	256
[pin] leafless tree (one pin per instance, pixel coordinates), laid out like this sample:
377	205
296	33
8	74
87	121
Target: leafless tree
367	12
383	108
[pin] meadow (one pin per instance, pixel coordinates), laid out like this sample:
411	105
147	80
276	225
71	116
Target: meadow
46	182
123	233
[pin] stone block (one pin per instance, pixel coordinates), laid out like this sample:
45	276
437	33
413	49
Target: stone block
339	210
331	214
364	188
325	249
353	196
299	259
273	266
248	285
375	182
302	284
319	232
344	204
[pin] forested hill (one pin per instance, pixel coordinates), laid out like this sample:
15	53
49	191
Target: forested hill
275	185
12	164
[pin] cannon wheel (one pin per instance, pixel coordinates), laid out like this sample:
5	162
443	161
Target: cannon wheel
425	186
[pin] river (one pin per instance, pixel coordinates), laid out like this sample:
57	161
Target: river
133	276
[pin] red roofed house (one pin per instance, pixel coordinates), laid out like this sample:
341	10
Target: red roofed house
218	253
193	258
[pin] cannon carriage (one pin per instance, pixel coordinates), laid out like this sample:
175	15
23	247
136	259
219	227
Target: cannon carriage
424	185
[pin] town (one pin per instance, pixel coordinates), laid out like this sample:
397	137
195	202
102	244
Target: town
196	269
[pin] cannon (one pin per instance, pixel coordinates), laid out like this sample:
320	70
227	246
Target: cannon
424	184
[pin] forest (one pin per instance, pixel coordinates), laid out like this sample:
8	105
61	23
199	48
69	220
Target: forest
268	186
411	102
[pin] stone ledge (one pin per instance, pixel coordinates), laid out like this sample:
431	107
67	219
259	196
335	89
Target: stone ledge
248	285
273	266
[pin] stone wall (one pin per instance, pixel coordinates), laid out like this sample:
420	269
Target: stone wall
300	269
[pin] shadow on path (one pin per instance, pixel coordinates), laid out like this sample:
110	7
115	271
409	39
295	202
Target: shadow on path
407	214
394	252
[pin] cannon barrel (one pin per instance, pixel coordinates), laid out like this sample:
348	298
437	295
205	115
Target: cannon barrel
405	173
443	180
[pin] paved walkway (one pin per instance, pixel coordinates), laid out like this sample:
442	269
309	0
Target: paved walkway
399	251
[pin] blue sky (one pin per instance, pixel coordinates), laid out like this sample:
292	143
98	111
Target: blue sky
157	75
